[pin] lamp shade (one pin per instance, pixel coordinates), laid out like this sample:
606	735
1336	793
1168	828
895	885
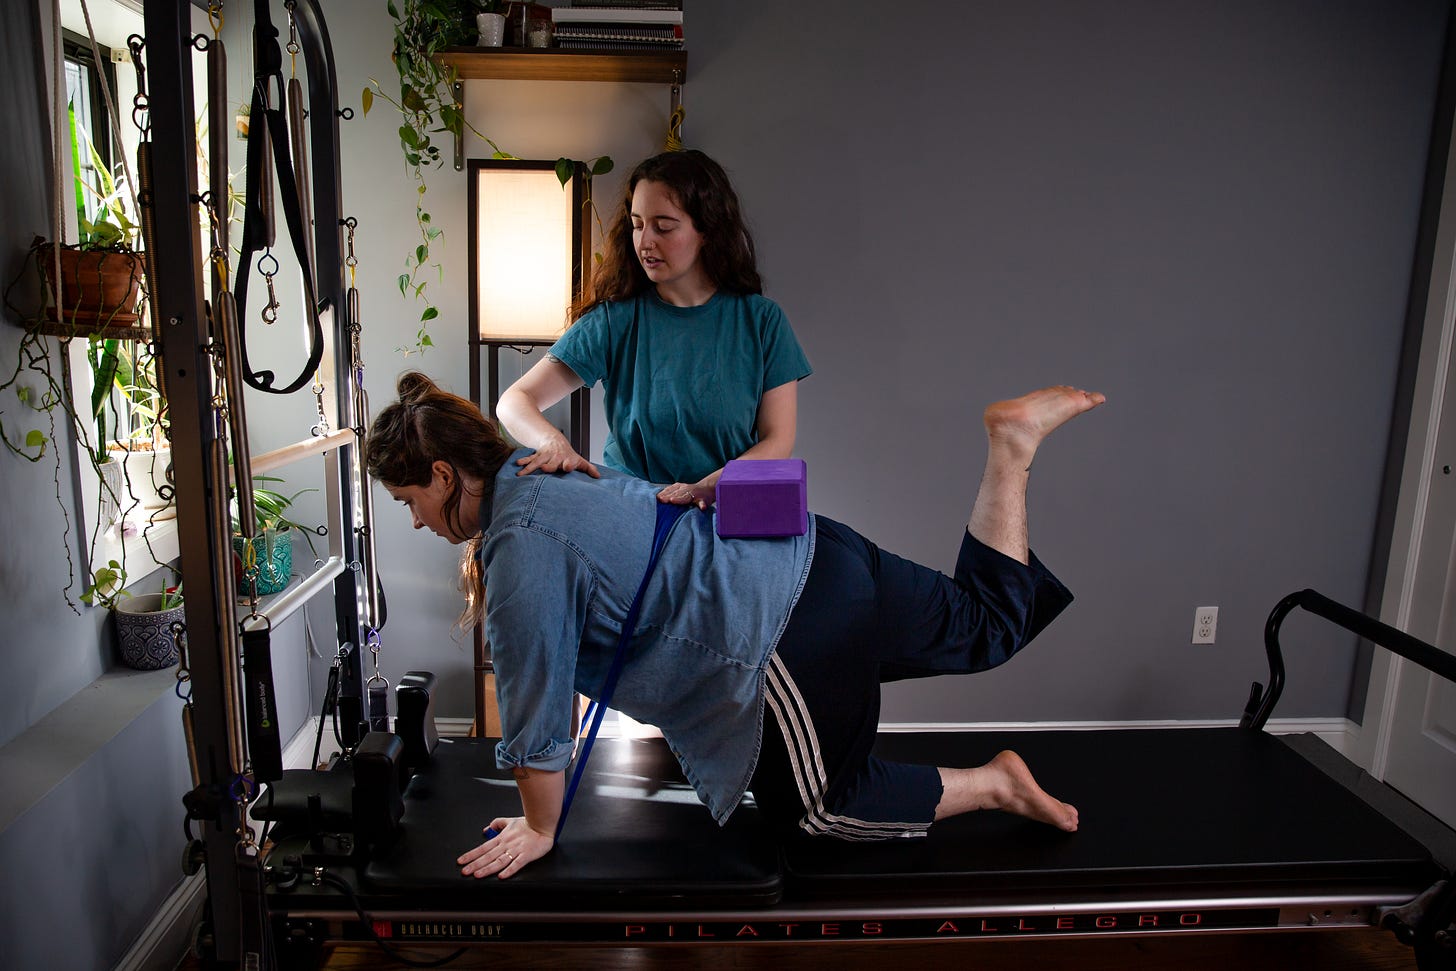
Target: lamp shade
525	237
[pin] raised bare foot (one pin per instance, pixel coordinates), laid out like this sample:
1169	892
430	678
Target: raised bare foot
1017	426
1018	793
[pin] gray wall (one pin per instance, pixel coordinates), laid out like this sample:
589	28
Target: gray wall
88	856
1205	211
53	652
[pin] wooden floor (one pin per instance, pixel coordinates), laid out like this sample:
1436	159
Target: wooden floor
1322	950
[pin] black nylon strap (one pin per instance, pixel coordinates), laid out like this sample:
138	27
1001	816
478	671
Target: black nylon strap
265	747
268	67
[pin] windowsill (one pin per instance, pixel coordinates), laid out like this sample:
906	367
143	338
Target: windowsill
44	755
147	550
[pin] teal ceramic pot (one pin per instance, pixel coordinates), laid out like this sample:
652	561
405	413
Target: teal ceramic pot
272	562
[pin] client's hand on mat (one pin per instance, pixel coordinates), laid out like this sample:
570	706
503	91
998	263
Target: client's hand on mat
503	855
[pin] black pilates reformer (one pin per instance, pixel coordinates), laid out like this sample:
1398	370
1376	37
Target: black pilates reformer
1185	830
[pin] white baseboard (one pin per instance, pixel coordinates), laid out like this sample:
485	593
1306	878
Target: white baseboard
1338	733
454	727
167	938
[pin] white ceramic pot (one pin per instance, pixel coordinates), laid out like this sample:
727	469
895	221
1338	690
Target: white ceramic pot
146	472
112	492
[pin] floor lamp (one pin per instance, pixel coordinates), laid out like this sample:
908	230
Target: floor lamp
530	251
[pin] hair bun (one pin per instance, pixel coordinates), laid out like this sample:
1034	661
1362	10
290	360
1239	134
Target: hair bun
413	386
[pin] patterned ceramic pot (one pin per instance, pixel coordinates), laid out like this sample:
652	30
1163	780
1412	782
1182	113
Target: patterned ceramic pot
144	632
272	559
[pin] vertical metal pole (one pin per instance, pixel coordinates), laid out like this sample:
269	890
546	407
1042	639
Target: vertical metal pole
458	88
484	665
472	256
330	287
492	384
177	291
581	232
581	421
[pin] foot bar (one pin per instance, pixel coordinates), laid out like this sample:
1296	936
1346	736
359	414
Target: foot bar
1372	630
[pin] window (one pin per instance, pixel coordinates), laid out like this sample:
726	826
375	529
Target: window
131	420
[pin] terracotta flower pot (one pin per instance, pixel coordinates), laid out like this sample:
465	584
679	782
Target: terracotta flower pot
100	291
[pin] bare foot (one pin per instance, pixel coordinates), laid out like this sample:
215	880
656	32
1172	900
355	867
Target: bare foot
1019	794
1004	783
1017	426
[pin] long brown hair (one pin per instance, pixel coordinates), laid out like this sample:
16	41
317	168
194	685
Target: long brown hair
702	190
428	424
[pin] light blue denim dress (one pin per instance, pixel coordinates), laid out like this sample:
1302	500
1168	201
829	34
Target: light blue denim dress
562	557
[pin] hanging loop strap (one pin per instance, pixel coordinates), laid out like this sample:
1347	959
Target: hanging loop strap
268	74
667	517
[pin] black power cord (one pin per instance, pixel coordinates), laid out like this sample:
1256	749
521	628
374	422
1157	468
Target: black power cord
340	884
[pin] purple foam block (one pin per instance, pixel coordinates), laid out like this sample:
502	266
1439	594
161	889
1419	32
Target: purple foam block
763	497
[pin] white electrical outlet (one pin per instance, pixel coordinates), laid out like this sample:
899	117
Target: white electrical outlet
1205	624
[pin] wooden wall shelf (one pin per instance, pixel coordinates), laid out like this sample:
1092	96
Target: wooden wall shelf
551	64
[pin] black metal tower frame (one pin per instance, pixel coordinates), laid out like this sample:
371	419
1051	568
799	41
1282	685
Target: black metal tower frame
238	932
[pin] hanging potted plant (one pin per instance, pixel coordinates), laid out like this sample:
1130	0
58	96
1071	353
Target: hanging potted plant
264	564
429	109
93	290
101	275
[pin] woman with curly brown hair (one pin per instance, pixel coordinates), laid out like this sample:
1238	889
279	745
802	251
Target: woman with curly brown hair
697	366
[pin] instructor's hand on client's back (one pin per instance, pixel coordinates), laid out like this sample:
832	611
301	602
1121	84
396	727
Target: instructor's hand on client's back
504	854
556	456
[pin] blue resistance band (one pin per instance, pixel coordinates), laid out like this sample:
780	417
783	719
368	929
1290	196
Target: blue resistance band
667	516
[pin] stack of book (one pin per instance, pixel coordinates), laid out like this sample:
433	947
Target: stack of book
619	25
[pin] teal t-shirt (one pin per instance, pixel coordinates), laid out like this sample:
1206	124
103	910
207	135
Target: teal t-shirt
681	385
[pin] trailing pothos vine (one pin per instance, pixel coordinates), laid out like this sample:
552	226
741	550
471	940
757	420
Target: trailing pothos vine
430	111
